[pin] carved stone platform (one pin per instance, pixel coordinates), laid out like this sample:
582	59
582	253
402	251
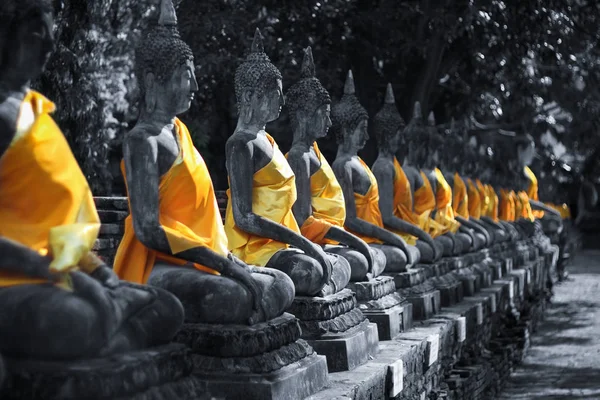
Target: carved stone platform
262	361
425	299
450	288
156	374
337	328
381	304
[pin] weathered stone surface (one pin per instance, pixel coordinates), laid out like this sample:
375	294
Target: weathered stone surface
240	340
323	308
390	321
314	329
147	374
373	289
296	381
111	203
350	349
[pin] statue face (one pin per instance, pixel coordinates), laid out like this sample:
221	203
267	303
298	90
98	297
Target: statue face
178	92
395	141
35	44
359	137
526	154
320	122
270	103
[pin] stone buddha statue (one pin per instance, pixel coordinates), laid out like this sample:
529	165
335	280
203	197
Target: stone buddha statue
395	196
260	222
174	238
320	209
59	301
360	187
417	161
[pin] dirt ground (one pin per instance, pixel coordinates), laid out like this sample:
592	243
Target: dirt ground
564	359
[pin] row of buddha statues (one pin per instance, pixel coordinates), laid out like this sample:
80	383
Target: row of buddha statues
295	226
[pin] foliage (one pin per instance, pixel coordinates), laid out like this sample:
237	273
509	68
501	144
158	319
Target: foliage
531	64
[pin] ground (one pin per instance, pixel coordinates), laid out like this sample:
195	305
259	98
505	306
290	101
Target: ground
564	359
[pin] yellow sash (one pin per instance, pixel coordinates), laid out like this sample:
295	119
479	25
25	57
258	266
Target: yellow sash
273	195
367	205
526	211
189	215
532	190
424	205
493	209
45	201
474	201
460	199
445	213
328	206
403	202
484	199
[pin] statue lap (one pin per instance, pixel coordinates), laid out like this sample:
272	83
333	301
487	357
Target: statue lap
211	298
307	273
47	322
396	259
358	262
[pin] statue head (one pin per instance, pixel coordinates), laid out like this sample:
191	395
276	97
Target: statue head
308	102
525	149
350	119
258	86
26	39
388	125
417	137
164	66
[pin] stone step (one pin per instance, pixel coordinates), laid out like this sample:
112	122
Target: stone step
111	203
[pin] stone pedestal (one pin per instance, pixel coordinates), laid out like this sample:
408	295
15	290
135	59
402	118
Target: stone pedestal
159	373
425	299
262	361
337	328
381	304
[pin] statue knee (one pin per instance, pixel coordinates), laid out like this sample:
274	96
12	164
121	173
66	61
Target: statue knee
414	253
379	261
307	275
465	241
480	240
277	290
396	259
162	319
358	263
427	254
447	245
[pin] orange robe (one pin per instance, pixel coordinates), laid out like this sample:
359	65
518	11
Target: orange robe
445	213
188	214
526	211
327	200
474	201
273	195
460	199
367	205
403	201
424	205
507	209
484	199
532	190
45	201
494	202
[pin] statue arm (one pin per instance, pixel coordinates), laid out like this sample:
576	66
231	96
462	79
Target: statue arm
385	181
476	226
18	258
300	164
355	224
537	205
490	221
339	235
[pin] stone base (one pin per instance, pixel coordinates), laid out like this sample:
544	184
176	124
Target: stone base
425	304
293	382
349	350
392	321
160	373
333	314
451	294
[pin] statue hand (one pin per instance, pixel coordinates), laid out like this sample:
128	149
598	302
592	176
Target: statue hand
318	254
237	270
106	276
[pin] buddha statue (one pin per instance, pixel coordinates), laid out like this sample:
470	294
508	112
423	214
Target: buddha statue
320	209
395	196
174	238
259	222
60	303
416	161
360	187
262	229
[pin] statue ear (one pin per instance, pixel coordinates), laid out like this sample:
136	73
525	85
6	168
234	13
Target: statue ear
247	96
